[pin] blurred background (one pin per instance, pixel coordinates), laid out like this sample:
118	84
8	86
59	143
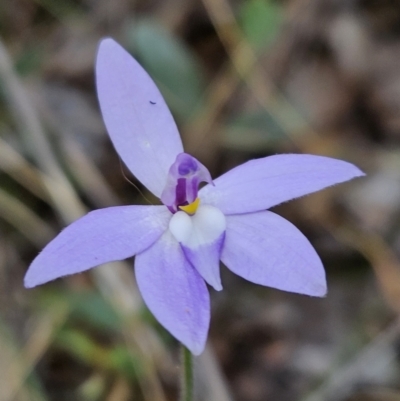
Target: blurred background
244	79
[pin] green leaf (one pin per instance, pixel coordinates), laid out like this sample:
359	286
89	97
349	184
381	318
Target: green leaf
87	306
254	132
91	307
116	358
123	361
260	21
170	63
30	59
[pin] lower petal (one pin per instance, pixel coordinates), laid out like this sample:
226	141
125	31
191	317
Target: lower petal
174	292
205	259
101	236
201	237
266	249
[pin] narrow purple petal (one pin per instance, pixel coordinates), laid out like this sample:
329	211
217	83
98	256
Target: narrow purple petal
174	292
262	183
138	121
266	249
101	236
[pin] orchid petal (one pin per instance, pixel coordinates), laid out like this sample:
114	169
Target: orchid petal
99	237
266	249
201	237
262	183
174	292
138	121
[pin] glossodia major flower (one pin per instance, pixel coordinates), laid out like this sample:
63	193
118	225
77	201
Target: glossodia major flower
179	245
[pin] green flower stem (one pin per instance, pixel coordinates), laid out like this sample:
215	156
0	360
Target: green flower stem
187	375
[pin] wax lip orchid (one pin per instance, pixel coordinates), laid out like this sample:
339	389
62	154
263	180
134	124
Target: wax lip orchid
179	245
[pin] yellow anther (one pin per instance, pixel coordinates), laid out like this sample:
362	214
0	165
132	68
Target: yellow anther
191	208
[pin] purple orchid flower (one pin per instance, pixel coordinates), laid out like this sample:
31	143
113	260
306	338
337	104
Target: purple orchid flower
178	245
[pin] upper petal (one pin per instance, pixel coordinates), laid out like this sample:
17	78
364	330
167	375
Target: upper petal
201	237
101	236
174	292
138	121
262	183
266	249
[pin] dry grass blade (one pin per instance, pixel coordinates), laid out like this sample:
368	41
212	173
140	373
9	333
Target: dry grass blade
21	366
120	391
382	259
343	378
137	335
84	170
88	177
373	247
245	62
8	354
24	220
210	378
12	163
35	140
149	382
385	263
64	198
203	124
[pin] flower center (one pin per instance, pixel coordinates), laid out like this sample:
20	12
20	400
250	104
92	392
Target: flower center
191	208
184	178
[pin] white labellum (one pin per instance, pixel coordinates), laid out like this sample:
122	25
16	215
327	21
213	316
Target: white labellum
201	237
203	228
